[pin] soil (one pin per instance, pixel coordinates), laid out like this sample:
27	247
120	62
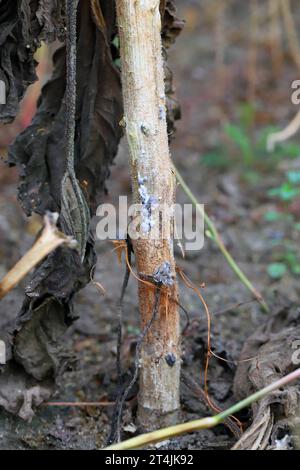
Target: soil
210	94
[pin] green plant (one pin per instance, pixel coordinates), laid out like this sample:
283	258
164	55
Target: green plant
243	142
289	189
241	145
286	258
213	233
276	270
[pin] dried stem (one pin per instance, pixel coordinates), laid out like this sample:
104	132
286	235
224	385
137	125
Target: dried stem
50	239
205	423
287	133
153	186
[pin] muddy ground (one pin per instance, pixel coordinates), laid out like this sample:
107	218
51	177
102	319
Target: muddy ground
234	195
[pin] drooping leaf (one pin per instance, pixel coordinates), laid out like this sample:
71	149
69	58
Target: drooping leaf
39	152
40	149
24	24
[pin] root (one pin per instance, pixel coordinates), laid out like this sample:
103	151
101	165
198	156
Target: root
258	435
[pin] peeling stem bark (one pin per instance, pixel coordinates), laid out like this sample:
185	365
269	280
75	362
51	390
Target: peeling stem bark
153	185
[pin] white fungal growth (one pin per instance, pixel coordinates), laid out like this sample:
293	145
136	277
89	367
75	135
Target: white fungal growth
161	112
148	204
